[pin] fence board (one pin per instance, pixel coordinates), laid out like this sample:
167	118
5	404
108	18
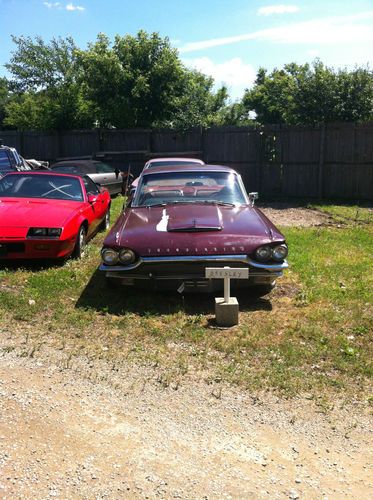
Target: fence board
168	141
126	140
230	145
40	145
79	143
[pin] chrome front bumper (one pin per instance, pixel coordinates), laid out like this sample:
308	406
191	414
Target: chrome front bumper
190	270
205	259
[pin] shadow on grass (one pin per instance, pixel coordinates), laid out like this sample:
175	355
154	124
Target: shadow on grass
98	296
30	265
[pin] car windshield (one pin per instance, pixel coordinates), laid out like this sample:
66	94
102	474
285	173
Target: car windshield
5	165
189	187
41	186
167	163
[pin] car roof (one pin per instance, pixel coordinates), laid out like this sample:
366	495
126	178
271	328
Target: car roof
189	168
175	158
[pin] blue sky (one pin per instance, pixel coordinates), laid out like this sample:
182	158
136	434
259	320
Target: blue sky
229	39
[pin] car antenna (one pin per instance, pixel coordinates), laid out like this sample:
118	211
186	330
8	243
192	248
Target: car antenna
128	176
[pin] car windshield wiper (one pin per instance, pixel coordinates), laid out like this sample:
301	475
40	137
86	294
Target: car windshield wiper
165	203
216	202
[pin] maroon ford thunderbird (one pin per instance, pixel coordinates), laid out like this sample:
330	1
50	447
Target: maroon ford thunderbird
183	220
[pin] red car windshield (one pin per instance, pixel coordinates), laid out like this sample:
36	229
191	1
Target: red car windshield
190	187
41	186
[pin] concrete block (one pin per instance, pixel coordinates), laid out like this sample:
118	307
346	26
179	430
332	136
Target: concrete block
226	312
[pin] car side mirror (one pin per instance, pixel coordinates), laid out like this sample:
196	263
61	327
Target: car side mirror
252	197
92	198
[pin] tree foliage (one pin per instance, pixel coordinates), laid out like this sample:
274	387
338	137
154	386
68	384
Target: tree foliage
4	97
46	86
304	94
136	81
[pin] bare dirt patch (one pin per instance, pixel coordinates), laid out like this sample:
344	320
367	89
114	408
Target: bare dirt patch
64	436
285	214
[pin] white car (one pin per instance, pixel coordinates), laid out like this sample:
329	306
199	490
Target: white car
166	162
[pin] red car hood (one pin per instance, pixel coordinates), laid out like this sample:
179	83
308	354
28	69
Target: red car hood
192	230
18	214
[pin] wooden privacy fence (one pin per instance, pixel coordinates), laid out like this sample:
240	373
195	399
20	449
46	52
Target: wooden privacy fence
326	161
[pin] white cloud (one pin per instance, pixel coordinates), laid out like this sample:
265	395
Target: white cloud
51	5
313	52
71	7
330	30
234	73
277	9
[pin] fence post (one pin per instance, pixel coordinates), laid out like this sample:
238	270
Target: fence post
321	160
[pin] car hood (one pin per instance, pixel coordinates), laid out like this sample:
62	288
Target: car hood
192	230
18	214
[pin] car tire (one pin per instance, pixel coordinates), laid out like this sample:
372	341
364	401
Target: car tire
105	224
80	243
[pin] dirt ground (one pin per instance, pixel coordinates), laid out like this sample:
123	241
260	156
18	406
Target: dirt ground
284	214
122	434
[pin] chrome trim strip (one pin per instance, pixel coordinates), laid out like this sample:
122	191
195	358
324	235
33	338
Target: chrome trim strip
243	258
269	267
187	277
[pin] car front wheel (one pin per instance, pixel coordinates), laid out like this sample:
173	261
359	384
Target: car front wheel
80	243
105	224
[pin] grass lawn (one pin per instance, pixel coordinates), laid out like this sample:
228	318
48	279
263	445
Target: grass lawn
312	334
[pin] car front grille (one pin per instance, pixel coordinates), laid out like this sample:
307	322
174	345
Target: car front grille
6	248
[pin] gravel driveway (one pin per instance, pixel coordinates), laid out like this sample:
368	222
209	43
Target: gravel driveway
64	436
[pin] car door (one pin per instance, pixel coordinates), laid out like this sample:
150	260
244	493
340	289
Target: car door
98	207
108	177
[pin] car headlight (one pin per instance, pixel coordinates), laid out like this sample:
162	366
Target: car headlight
263	253
280	252
44	232
127	256
109	256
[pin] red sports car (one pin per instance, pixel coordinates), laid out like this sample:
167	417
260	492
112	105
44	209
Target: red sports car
184	219
49	216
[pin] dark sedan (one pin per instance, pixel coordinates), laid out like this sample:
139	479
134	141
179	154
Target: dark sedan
183	220
113	179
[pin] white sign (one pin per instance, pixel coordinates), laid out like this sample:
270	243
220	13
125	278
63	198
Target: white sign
227	272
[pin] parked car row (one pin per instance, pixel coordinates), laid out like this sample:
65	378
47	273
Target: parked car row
181	217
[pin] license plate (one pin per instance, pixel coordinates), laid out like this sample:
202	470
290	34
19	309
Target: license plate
227	272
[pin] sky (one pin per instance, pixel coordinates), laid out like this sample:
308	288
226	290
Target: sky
227	39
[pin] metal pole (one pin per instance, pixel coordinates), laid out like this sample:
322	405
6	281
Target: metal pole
227	291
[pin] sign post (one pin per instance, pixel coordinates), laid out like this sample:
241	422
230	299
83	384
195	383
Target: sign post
226	308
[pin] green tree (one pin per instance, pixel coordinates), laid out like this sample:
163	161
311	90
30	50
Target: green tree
197	105
133	82
139	81
309	94
4	97
46	86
